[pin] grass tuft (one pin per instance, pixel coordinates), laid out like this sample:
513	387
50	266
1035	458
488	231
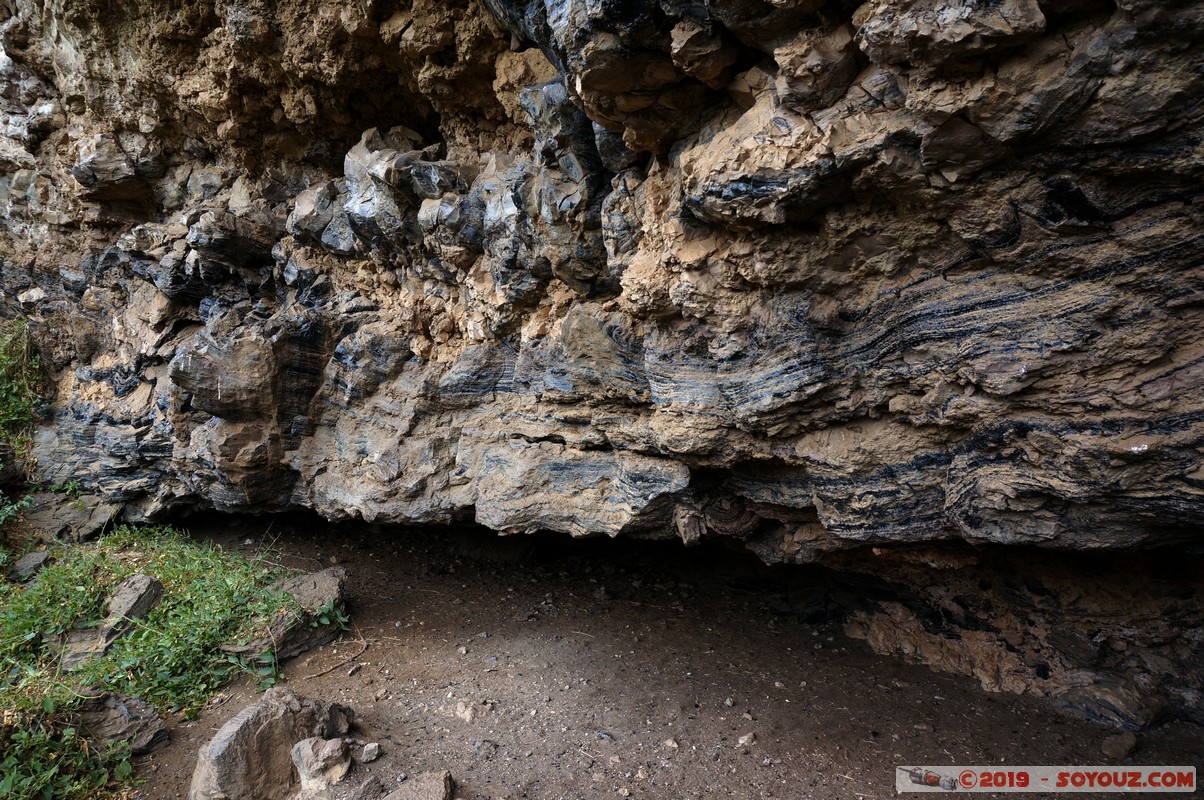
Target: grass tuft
170	659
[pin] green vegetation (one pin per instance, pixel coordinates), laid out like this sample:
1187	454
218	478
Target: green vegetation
171	659
20	381
9	510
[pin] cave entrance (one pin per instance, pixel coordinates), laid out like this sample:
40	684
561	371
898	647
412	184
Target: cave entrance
549	667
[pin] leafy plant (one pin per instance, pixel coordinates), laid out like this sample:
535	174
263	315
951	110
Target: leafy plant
40	759
330	613
20	384
71	489
9	510
265	666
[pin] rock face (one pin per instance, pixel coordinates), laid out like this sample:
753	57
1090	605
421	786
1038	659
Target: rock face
808	275
1096	635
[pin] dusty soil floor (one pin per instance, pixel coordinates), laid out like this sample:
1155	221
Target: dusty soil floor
549	668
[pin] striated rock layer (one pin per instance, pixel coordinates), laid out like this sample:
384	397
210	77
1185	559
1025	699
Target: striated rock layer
808	275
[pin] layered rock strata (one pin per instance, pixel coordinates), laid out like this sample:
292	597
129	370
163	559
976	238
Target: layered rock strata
814	276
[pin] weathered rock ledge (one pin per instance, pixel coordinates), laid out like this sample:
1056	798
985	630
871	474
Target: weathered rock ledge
816	276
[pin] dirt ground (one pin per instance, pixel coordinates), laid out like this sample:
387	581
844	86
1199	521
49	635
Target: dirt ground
535	667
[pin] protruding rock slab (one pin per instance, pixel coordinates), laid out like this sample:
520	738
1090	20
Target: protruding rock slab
53	516
250	757
28	565
133	599
108	718
293	632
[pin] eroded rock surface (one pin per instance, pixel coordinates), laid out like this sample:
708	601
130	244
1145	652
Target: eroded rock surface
810	276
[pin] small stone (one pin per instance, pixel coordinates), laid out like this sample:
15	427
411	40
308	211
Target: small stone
370	753
370	789
34	295
427	786
747	740
729	702
1119	747
671	744
466	711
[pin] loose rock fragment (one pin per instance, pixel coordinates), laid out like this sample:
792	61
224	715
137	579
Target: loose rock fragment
1119	747
425	786
321	763
132	600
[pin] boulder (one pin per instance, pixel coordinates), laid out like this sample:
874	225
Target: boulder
250	757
